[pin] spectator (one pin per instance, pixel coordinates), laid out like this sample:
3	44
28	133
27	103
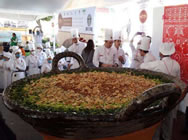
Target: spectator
88	53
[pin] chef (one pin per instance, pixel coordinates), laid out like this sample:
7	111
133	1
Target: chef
76	47
171	67
47	65
7	66
19	66
48	50
144	49
166	64
137	59
106	55
119	51
41	55
32	62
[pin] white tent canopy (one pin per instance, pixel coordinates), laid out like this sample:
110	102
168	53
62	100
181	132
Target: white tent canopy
29	10
75	4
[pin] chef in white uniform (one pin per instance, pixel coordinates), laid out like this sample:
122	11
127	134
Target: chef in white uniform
32	62
19	66
166	64
137	59
7	66
106	55
47	65
144	50
41	55
76	47
119	51
171	67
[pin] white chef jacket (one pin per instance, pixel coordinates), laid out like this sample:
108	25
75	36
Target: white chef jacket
120	52
149	57
46	67
49	53
77	48
7	73
21	65
32	63
41	57
166	65
105	56
137	59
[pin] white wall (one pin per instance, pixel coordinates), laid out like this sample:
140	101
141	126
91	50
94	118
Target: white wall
157	34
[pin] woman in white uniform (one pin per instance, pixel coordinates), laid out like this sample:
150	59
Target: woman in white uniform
119	51
32	62
106	55
19	67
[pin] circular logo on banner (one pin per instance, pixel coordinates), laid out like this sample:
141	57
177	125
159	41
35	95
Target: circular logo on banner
89	20
143	16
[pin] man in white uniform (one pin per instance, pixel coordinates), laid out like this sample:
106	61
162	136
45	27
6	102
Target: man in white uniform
6	65
76	47
48	50
137	59
106	55
41	55
32	62
171	67
144	50
19	66
119	51
166	64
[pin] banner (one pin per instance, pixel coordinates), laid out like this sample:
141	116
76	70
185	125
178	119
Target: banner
82	19
175	30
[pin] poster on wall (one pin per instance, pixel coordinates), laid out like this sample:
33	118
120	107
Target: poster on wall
175	30
82	19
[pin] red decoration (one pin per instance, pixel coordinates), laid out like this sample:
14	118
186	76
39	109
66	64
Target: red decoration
143	16
175	30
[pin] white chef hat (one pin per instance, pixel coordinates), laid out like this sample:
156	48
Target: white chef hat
21	44
167	48
74	33
39	46
31	47
48	45
49	56
14	48
7	54
18	51
117	35
145	44
108	34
